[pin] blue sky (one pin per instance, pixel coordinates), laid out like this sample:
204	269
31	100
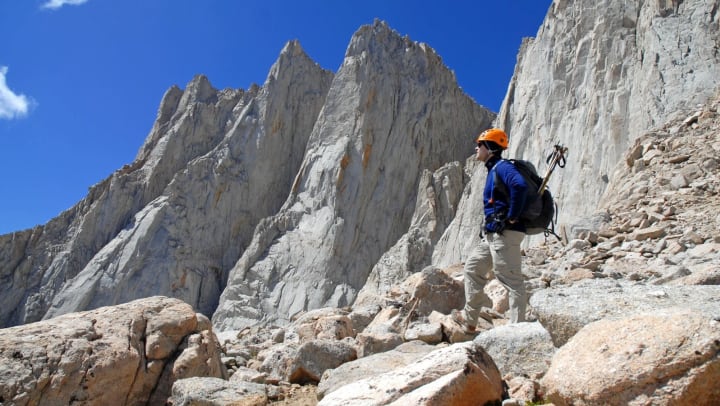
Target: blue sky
81	80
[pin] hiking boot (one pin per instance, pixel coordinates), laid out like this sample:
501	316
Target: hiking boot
489	314
458	316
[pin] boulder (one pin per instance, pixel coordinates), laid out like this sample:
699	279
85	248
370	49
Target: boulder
375	342
326	322
334	328
665	357
519	349
705	274
563	311
305	363
389	319
275	361
374	364
125	354
244	374
434	290
453	375
362	316
430	333
316	356
202	391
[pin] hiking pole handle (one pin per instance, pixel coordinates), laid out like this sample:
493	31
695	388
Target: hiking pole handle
558	159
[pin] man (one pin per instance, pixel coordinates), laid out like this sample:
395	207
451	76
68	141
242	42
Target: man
500	250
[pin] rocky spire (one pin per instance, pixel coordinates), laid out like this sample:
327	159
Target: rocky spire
393	110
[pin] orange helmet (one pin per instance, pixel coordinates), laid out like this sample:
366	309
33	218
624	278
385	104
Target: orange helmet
495	135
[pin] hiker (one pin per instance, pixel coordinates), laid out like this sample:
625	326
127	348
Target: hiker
498	254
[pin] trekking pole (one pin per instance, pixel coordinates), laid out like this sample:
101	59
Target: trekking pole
556	158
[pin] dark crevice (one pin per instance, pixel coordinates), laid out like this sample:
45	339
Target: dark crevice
139	346
167	371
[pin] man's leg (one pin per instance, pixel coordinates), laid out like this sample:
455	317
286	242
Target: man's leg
505	250
478	271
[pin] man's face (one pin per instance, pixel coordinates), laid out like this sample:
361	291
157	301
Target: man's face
481	152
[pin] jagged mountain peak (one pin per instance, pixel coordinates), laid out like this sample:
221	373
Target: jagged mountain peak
214	163
292	60
199	89
372	38
292	48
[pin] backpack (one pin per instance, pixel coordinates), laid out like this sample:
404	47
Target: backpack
537	216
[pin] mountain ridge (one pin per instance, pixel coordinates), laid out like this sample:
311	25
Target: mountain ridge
225	171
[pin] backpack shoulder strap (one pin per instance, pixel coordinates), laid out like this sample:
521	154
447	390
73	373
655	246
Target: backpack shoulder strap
499	188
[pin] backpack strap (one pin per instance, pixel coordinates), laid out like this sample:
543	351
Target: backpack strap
551	230
499	191
498	185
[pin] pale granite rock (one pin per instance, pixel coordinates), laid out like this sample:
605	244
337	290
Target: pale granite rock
122	355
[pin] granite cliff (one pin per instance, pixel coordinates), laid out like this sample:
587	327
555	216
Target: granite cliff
596	77
315	186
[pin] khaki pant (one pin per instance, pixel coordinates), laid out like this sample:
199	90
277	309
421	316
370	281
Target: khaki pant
499	253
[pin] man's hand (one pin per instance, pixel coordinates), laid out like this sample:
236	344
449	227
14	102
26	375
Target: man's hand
495	226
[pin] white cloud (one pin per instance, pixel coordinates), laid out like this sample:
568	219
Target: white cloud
55	4
11	105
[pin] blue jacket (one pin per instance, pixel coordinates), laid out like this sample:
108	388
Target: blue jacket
496	204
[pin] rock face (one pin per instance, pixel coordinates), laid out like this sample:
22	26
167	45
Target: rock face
124	355
596	77
611	70
176	220
611	74
438	196
353	197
